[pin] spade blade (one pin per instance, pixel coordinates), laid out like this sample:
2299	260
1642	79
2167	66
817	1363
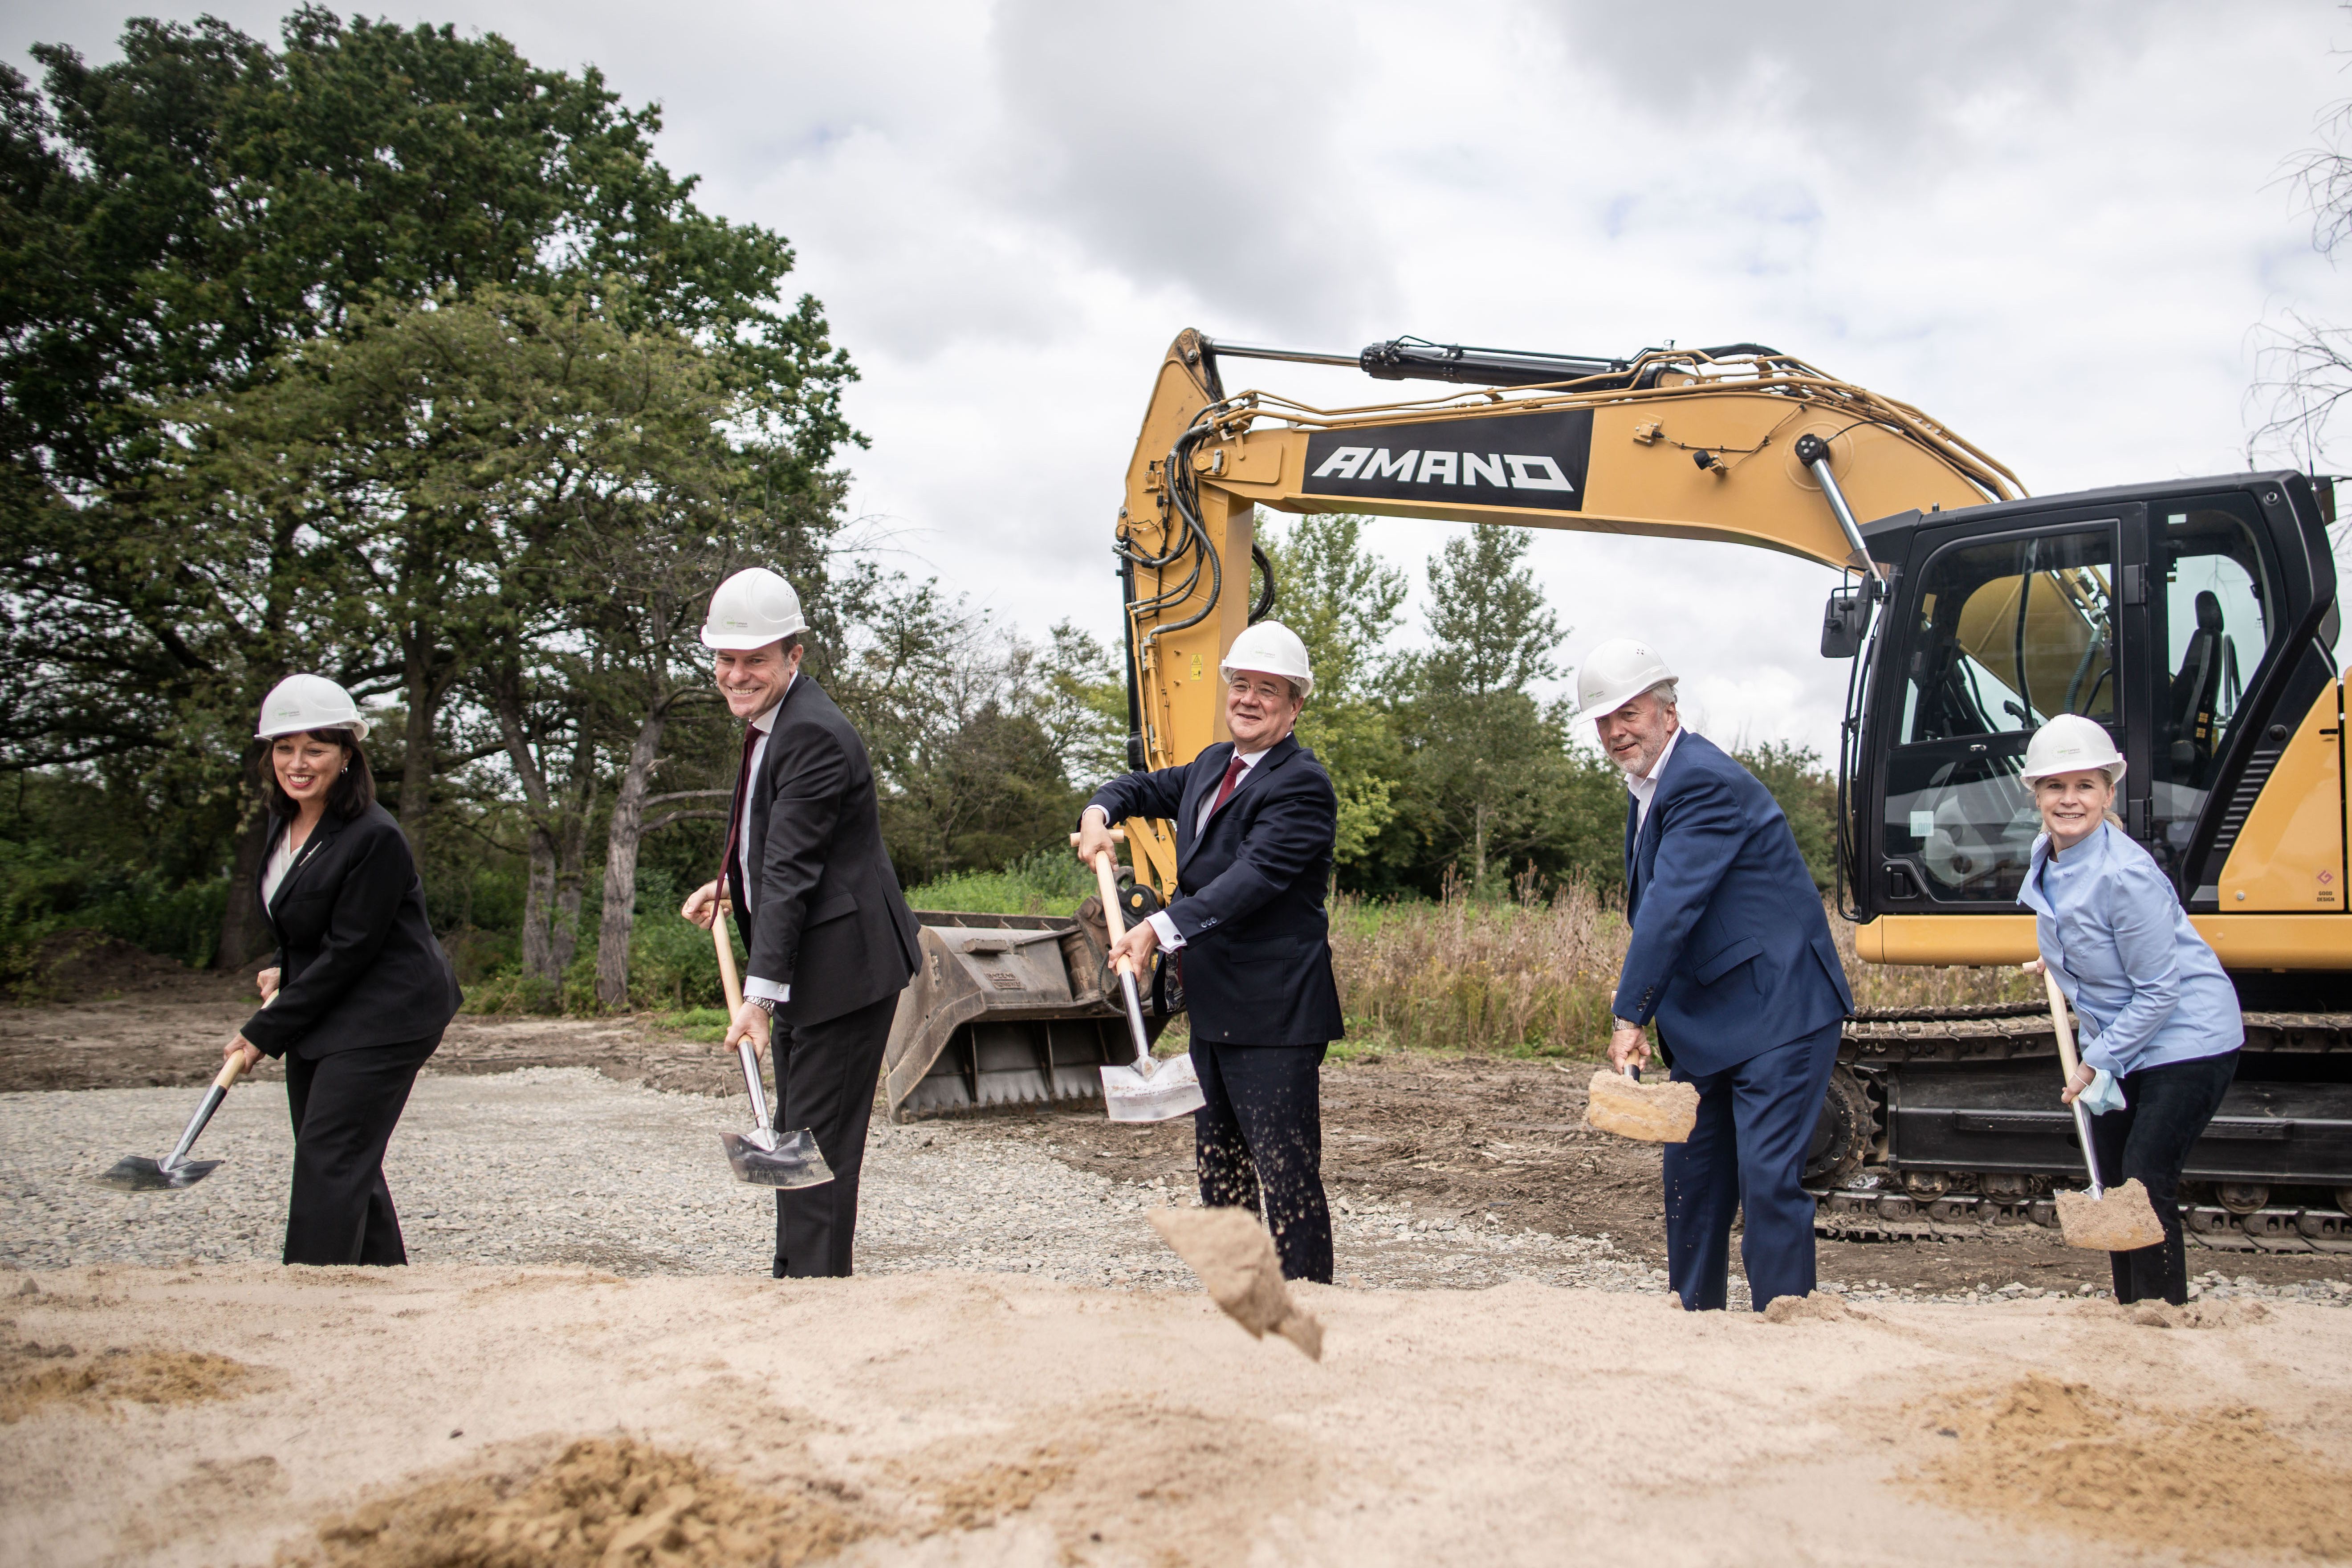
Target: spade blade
138	1174
766	1159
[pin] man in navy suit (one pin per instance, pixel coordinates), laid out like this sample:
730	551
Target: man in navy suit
1256	821
1731	957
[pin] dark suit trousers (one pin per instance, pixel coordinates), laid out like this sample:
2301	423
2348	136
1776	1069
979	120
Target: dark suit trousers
825	1075
1260	1145
344	1107
1747	1155
2165	1112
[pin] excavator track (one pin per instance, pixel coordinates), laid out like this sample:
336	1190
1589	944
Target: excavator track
1918	1090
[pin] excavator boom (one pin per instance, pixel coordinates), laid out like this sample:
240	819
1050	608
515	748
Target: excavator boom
1686	444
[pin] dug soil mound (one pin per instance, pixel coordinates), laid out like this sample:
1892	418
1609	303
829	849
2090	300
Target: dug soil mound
600	1503
34	1376
2215	1483
1124	1481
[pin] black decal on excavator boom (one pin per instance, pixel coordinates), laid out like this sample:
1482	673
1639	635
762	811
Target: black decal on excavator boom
1534	461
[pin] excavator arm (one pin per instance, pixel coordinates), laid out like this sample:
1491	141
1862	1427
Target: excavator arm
1728	444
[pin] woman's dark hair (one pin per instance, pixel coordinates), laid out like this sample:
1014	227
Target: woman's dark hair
352	791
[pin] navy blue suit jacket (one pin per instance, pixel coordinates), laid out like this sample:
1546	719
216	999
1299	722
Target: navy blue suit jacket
1249	892
1730	951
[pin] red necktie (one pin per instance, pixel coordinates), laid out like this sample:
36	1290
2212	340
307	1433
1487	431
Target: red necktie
751	738
1234	771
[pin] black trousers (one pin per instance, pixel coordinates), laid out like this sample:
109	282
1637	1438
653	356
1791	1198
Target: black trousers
2164	1111
1259	1139
1746	1155
825	1075
344	1107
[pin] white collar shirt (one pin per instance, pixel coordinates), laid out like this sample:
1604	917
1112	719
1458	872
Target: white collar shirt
1248	760
1160	923
1645	786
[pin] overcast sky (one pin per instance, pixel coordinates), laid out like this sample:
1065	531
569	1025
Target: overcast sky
2053	226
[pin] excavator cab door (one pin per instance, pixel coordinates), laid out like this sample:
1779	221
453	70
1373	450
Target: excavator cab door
1993	630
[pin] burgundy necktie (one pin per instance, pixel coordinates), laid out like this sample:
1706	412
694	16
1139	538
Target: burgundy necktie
1233	771
751	736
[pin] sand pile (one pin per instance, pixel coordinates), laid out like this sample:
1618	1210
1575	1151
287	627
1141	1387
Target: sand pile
956	1420
2213	1481
600	1503
1819	1306
1128	1480
1234	1257
33	1375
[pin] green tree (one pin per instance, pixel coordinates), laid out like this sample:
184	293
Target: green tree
172	226
1485	759
1807	793
1344	603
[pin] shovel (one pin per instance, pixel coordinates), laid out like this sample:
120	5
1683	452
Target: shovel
1148	1091
1648	1112
761	1156
2120	1221
138	1174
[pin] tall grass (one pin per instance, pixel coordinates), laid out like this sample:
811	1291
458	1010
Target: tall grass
1535	978
1047	882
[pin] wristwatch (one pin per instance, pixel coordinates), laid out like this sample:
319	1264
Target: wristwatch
764	1004
1617	1022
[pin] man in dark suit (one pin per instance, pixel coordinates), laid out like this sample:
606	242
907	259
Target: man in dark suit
1731	957
832	941
1256	819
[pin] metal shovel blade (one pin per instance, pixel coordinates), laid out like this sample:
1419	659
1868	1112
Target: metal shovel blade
1170	1091
767	1159
138	1174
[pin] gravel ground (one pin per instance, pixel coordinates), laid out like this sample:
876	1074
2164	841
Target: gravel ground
565	1166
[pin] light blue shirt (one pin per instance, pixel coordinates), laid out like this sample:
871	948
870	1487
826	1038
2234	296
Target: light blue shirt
2147	989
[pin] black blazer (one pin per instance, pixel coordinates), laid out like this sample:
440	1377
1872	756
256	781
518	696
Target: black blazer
821	908
1249	895
357	964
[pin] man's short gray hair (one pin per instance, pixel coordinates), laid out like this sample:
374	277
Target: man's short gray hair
1664	692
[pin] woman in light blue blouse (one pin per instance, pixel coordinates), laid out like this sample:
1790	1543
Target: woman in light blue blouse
2158	1017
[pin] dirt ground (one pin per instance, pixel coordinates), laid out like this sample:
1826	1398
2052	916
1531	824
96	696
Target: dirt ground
436	1415
1466	1135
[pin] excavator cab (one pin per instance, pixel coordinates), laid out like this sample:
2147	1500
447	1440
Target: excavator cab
2187	618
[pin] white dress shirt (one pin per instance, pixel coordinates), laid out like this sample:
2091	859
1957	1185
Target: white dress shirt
281	860
1161	926
1646	784
755	988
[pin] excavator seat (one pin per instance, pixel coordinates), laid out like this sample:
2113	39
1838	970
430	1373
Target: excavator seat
2196	691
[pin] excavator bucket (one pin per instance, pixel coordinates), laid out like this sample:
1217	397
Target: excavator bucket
1006	1010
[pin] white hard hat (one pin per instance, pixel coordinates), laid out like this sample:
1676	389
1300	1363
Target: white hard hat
301	702
2071	744
1270	647
752	609
1615	673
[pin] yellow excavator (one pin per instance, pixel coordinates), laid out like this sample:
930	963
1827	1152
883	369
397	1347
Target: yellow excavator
2195	618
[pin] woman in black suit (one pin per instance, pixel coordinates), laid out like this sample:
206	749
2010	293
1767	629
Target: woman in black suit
361	991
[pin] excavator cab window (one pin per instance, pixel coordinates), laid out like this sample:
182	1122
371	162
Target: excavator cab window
2217	610
2002	636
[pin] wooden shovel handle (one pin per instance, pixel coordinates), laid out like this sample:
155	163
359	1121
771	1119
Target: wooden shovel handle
234	1068
727	979
2058	1024
1107	884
